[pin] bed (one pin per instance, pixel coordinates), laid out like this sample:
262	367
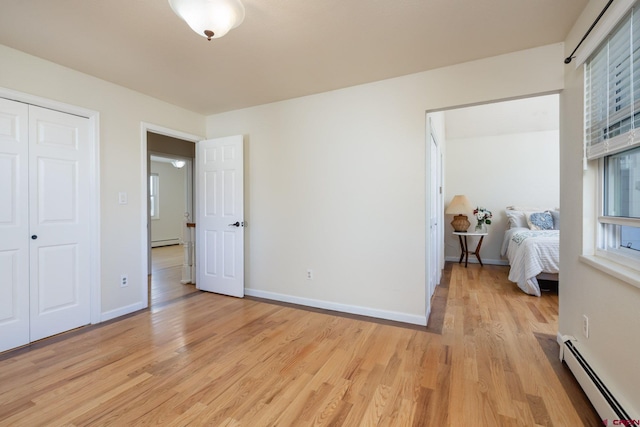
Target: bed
532	247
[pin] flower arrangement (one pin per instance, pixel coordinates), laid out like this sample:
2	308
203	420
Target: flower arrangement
483	216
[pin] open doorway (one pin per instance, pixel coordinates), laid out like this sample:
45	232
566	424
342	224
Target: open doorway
501	154
170	209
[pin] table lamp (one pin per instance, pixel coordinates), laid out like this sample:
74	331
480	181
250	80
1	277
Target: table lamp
458	207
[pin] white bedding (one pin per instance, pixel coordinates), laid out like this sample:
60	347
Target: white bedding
530	253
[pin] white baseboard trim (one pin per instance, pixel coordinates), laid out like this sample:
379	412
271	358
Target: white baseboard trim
112	314
473	260
167	242
344	308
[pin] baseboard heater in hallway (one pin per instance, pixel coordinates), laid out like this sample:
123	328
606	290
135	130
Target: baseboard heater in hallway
605	403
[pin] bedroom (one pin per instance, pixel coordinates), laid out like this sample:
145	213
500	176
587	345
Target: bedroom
387	115
499	155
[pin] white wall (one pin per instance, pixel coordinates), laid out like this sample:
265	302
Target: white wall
167	229
123	227
611	304
336	181
500	155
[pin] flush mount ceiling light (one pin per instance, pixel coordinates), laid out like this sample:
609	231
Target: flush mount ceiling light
178	163
209	18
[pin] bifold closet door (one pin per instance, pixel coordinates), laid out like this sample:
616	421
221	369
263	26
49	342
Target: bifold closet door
44	185
14	224
59	185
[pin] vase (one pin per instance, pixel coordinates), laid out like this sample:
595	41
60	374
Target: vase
481	227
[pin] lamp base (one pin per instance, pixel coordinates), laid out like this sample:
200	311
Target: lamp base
460	223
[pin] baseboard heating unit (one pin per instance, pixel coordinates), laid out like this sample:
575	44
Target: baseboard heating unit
608	407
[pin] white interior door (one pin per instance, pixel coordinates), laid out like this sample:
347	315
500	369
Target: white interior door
44	223
220	216
59	190
434	264
14	225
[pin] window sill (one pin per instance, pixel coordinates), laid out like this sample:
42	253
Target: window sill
619	271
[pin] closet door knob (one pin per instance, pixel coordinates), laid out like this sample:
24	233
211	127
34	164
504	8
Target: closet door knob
34	237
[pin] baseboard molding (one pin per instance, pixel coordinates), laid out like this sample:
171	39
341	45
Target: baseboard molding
473	260
344	308
428	314
112	314
168	242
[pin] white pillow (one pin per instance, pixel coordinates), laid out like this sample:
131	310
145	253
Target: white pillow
526	209
556	219
517	219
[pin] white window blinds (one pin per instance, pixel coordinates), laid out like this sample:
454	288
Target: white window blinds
612	91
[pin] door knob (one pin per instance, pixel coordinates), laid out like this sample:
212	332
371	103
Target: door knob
235	224
34	237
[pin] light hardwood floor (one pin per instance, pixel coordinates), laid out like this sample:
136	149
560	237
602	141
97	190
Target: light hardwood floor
488	358
166	273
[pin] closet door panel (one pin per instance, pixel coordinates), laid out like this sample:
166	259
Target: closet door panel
59	217
14	226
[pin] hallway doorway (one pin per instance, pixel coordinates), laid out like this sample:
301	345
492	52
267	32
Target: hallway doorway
169	208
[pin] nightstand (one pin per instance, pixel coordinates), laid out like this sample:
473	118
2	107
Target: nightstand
464	247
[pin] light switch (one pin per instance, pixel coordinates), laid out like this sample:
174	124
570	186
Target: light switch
122	198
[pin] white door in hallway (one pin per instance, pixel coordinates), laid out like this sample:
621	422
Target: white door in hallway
220	216
44	261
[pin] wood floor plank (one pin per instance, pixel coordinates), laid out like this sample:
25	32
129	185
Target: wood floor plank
206	359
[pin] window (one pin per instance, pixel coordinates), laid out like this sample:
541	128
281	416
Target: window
154	201
612	135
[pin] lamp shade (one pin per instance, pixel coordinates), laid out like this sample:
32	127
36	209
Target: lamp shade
459	205
209	18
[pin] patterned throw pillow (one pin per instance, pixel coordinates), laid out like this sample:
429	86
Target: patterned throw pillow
540	220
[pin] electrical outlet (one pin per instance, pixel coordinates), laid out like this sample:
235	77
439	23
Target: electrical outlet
309	274
585	326
124	281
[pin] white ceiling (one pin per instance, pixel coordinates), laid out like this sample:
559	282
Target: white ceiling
283	49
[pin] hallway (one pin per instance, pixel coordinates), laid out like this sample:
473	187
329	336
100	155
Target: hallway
166	273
